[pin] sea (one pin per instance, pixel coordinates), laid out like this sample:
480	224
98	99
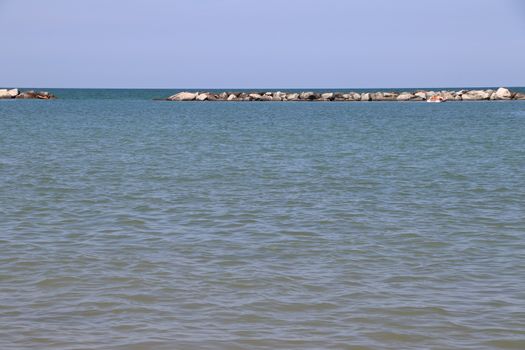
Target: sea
129	223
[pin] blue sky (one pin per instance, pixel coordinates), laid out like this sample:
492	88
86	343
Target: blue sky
270	43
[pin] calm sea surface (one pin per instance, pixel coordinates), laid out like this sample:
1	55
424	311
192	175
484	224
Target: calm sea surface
127	223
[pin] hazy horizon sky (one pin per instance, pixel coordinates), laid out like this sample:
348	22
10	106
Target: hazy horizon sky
271	43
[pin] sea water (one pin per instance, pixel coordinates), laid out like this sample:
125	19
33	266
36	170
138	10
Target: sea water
127	223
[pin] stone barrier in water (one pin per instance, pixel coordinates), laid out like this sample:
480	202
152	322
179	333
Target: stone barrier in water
15	93
421	95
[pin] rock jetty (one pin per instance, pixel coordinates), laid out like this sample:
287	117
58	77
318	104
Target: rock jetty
15	93
421	95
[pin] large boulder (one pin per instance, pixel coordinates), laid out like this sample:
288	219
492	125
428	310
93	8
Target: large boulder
383	96
365	97
232	97
405	96
502	94
202	97
4	93
307	96
13	92
255	97
447	95
183	96
476	95
329	96
292	97
421	95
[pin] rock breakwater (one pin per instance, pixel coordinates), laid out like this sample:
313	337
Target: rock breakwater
420	95
15	93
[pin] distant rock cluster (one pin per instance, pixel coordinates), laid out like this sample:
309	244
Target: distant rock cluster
430	96
15	93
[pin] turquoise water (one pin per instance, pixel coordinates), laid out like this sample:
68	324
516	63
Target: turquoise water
127	223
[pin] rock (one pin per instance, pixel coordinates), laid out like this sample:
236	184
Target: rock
519	96
13	92
383	96
307	95
4	93
232	97
405	96
202	97
502	94
329	96
27	95
255	97
223	96
476	95
376	96
352	96
365	97
390	96
447	95
266	98
183	96
421	94
292	97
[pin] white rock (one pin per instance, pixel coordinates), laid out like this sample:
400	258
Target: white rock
232	97
421	94
13	92
365	97
202	97
306	95
327	96
183	96
405	96
4	93
502	94
255	96
292	97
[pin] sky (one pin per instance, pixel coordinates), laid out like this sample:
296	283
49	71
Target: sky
257	44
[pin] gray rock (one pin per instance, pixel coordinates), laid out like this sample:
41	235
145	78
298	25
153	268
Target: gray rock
519	96
255	97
